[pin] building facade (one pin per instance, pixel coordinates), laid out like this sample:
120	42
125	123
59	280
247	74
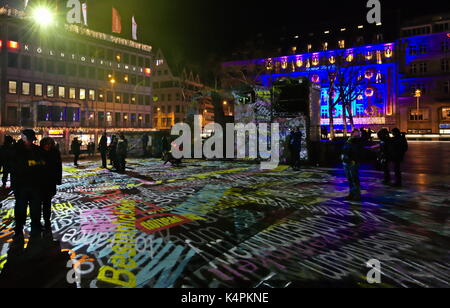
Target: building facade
393	72
69	81
179	96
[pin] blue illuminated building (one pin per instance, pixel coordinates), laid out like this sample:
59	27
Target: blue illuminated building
417	59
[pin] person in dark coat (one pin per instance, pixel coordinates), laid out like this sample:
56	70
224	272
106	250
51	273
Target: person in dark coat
76	150
122	151
295	147
383	155
7	156
145	140
103	149
351	158
112	151
51	179
397	149
27	171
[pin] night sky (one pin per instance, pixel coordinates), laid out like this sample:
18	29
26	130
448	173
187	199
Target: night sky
194	32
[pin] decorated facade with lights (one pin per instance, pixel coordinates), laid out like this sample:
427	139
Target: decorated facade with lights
388	75
73	80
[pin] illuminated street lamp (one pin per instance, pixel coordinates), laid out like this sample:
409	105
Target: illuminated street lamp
43	16
418	95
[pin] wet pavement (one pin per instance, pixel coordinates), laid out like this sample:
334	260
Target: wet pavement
228	224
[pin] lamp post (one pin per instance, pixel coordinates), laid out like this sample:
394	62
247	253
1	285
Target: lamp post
112	81
418	95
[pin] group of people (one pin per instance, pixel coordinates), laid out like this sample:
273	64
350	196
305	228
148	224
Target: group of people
392	152
35	171
116	151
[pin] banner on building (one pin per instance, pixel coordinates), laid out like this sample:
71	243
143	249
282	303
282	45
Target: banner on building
134	28
116	21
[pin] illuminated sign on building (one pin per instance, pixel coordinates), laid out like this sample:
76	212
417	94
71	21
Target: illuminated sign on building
56	133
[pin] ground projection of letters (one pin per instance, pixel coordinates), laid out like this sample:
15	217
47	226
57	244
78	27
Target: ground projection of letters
228	224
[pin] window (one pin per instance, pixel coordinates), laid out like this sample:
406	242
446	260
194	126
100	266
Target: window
423	48
92	95
26	88
169	97
50	91
26	62
147	100
38	89
341	44
444	45
413	69
126	98
61	92
13	60
169	109
109	96
444	65
118	98
12	87
177	108
423	68
72	93
446	114
101	96
447	87
82	94
413	50
422	115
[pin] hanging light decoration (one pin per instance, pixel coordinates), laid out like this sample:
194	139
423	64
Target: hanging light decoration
369	55
308	64
315	78
269	64
369	74
315	60
369	92
388	53
379	57
350	56
379	77
360	97
284	63
332	59
299	62
292	66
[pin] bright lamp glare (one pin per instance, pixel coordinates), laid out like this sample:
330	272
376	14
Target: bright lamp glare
43	16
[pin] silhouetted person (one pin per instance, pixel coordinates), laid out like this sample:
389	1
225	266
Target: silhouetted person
7	156
91	148
295	147
52	177
397	149
112	151
103	149
76	150
351	158
145	140
324	132
165	145
122	151
27	174
384	154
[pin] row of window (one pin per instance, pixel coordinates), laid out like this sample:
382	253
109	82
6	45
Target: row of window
424	88
423	48
169	109
74	70
52	91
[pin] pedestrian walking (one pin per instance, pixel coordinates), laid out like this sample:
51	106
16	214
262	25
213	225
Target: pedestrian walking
295	147
122	151
145	140
52	177
351	158
27	171
103	149
398	147
7	156
76	150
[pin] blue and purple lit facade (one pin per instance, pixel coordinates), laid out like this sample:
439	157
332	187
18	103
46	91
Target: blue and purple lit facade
374	107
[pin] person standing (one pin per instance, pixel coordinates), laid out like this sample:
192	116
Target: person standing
397	149
27	170
52	178
122	150
103	149
295	146
76	150
112	150
351	158
7	155
145	140
384	154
